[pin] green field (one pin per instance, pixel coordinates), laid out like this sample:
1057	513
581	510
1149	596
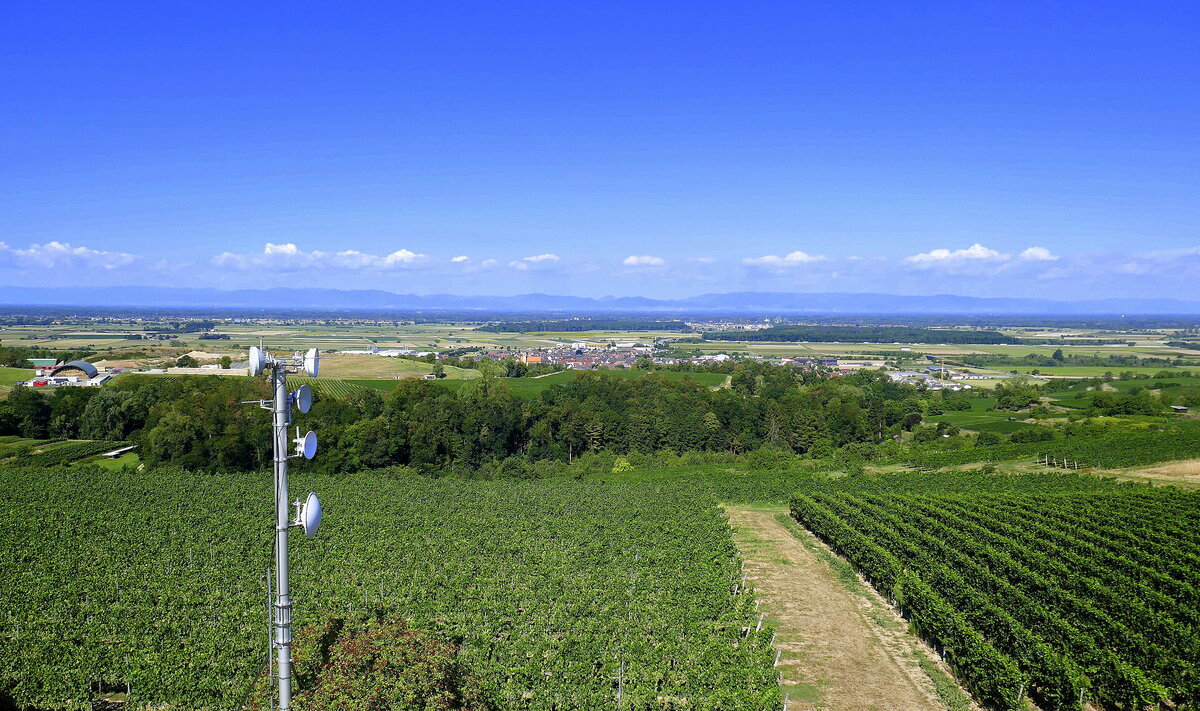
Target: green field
559	590
129	459
11	376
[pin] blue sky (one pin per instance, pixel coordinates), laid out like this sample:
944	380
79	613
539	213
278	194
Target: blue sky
657	149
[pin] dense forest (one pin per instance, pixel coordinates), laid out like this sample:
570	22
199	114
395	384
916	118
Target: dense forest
863	334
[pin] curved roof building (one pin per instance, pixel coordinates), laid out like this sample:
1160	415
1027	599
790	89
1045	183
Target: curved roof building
80	368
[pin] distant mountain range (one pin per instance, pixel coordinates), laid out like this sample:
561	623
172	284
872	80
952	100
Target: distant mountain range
734	303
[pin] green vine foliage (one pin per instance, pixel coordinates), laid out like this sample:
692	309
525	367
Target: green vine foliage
1067	589
559	594
374	661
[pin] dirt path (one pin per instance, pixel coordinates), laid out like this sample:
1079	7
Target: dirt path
841	650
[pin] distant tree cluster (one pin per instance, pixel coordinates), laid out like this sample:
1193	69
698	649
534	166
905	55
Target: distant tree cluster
1188	345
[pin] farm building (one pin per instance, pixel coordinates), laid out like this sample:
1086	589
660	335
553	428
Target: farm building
43	366
78	368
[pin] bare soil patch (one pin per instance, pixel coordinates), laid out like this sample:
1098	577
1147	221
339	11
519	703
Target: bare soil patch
1184	472
840	651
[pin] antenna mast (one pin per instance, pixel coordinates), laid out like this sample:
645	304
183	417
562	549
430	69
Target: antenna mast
308	514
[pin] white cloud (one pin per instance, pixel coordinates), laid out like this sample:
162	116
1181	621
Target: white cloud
1037	254
644	260
703	260
974	253
58	255
526	262
463	258
488	263
286	249
790	260
290	257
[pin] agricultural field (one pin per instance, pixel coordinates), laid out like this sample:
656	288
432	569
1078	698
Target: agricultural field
340	365
564	593
440	336
1085	371
1070	590
879	351
530	387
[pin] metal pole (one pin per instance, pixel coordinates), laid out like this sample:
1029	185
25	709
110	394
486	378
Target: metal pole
283	601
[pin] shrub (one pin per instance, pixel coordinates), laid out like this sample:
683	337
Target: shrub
374	662
1032	434
987	439
768	458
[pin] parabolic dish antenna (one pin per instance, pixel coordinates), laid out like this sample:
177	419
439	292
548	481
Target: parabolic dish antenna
312	362
258	360
310	515
307	445
303	398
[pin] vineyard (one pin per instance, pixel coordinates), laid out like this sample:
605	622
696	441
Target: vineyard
565	594
1066	589
1122	447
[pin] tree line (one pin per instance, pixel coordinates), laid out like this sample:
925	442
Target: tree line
199	422
18	356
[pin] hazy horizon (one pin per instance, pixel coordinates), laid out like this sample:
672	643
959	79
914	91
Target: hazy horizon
735	303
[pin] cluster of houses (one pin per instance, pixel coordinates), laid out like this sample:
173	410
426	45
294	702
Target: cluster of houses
583	356
935	378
